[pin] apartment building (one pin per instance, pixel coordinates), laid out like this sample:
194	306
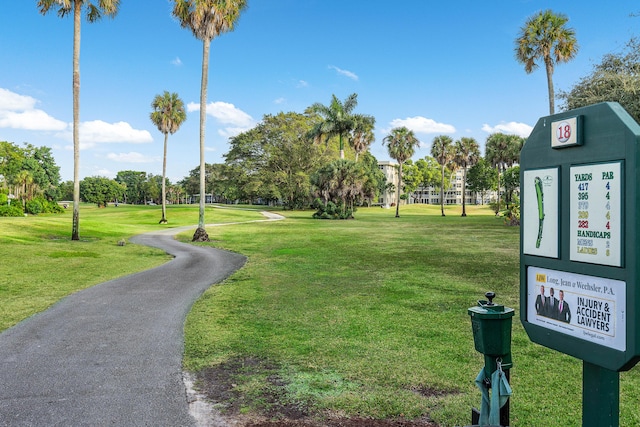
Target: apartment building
429	195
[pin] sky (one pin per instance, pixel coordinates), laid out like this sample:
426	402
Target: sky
438	68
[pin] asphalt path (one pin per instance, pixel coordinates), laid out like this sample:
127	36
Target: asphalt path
111	355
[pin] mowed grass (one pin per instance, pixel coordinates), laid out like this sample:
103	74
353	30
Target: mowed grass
365	317
40	264
369	318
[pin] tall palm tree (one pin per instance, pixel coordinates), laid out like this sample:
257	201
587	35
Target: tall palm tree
206	19
545	37
467	153
168	115
338	119
502	151
443	151
95	10
401	144
362	136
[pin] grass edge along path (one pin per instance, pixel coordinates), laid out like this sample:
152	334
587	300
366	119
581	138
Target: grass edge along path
40	264
368	318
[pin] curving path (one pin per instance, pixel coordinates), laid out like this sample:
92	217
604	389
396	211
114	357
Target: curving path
111	355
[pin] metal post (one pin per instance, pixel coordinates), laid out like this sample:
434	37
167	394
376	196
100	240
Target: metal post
600	396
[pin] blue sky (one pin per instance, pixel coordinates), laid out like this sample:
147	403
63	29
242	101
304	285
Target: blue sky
435	67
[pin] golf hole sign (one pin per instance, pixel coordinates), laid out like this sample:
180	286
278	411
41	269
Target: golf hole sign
579	273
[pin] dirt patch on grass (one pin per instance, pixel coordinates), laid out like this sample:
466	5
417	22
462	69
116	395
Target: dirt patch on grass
267	405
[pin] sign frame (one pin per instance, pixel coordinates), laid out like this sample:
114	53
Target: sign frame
609	135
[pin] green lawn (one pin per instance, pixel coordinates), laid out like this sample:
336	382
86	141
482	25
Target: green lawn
40	264
365	317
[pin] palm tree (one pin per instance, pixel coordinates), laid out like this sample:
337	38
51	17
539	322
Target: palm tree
442	151
338	119
206	19
467	153
362	136
545	37
168	114
401	144
502	151
94	13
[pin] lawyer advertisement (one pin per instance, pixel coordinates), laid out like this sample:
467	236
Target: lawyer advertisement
586	307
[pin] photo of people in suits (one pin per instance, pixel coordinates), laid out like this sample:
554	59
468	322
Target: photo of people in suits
552	307
542	302
563	313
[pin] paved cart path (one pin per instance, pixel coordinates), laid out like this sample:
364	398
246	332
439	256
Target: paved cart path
111	354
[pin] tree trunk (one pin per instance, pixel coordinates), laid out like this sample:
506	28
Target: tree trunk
200	233
77	15
549	67
164	179
464	191
399	190
341	147
442	193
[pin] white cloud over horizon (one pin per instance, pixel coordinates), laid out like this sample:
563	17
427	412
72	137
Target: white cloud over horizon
346	73
20	112
419	124
521	129
100	132
235	119
132	157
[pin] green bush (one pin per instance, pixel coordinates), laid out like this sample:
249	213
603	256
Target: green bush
331	210
3	199
34	207
11	210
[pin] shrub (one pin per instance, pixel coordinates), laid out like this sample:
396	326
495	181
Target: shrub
11	210
331	210
34	207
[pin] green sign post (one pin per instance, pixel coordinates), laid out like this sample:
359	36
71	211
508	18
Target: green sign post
579	275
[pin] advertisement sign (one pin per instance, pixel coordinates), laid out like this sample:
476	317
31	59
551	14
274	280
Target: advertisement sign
540	195
585	307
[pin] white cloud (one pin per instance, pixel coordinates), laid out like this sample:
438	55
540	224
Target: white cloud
226	114
279	101
19	112
520	129
97	131
301	84
345	73
177	62
421	124
131	157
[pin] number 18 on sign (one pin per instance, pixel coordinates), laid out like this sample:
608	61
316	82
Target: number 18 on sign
596	207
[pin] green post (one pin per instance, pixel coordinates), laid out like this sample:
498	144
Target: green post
600	396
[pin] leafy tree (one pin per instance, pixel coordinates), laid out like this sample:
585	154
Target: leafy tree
502	151
430	172
545	37
511	180
95	10
615	79
482	177
100	190
467	153
36	162
362	136
339	120
401	144
206	19
411	178
133	183
376	181
339	184
168	115
443	151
